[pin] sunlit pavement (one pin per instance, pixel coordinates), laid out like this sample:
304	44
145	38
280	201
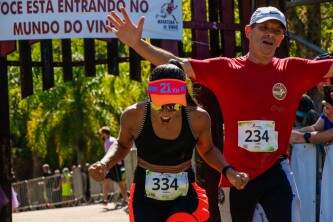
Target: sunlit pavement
90	213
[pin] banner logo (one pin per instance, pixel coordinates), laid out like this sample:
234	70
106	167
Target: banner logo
166	17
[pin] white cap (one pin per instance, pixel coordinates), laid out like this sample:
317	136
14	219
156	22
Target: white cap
264	14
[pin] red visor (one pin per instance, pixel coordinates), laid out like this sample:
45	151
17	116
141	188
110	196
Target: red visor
167	91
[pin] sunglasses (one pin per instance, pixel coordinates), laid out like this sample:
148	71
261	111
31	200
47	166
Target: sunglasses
167	107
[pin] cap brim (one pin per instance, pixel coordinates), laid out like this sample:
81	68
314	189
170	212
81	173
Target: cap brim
161	100
271	18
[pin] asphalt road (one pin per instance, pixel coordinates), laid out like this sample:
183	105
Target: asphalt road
90	213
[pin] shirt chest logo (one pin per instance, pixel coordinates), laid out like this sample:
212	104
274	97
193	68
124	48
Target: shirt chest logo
279	91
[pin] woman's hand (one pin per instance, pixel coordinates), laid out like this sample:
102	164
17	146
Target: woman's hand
98	171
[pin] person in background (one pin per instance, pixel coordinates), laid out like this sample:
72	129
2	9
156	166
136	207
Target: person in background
115	174
15	202
14	197
86	183
48	189
303	161
46	170
321	132
66	186
56	187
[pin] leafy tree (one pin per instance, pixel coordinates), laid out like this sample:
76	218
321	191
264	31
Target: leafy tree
60	125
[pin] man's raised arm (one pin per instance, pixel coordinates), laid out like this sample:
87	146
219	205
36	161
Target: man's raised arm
131	35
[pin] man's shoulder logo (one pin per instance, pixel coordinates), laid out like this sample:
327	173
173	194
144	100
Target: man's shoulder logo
279	91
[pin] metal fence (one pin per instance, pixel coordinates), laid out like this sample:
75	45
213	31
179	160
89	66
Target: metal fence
67	190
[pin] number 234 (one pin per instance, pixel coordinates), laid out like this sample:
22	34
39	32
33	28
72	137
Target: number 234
256	136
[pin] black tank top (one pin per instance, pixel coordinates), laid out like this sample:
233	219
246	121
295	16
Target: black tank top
156	150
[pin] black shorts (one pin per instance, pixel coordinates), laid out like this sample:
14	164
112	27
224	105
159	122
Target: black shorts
274	190
192	207
116	173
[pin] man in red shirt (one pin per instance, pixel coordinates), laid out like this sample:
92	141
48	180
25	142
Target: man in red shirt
259	95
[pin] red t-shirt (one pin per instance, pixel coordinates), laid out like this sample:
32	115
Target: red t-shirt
248	91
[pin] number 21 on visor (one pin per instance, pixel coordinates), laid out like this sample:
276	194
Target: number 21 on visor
167	91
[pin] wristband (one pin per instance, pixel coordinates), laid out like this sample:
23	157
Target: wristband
307	136
225	168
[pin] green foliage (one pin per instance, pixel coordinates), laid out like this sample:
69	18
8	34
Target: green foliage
307	24
61	124
187	35
327	26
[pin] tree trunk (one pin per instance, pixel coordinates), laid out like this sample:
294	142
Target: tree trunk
36	166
